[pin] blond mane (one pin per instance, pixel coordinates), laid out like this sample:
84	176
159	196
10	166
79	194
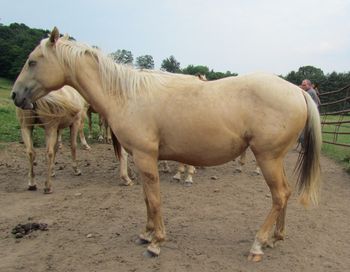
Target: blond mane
118	80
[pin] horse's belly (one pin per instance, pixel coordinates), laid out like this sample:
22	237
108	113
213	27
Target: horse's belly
203	154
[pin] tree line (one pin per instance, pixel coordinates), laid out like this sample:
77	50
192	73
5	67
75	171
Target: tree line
18	40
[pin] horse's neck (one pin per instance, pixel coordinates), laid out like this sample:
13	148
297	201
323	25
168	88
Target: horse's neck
87	82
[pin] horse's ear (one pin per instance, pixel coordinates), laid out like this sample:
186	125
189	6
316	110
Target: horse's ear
55	34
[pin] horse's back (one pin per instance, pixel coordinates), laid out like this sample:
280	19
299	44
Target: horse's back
223	117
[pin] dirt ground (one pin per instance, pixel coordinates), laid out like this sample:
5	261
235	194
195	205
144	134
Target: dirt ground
93	222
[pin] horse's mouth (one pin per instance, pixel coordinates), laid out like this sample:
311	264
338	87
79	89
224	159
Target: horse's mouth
24	104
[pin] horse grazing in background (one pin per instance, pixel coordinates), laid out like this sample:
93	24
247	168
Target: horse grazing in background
164	116
54	112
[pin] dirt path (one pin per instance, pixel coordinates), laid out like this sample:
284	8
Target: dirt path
210	226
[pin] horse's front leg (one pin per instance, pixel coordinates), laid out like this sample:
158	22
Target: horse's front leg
74	128
51	148
155	231
28	142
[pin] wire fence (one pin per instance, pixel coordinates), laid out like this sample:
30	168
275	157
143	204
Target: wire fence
335	116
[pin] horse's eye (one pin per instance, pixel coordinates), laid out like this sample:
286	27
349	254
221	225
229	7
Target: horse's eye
32	63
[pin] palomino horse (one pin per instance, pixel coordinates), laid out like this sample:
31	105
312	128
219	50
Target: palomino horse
54	112
218	120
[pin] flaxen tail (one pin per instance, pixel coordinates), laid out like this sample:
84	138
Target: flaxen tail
308	165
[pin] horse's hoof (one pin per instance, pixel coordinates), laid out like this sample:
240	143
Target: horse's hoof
188	184
153	250
48	191
53	174
86	147
255	257
127	183
237	170
77	173
177	177
148	254
141	242
256	173
32	188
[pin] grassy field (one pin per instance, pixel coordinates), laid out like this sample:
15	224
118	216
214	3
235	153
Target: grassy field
338	153
10	130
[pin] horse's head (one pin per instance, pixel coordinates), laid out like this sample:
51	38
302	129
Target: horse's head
40	74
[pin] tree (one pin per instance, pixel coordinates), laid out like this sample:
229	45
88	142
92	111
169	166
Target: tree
16	42
195	70
122	56
171	65
145	62
315	75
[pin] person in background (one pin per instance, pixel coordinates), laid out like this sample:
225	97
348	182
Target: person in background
307	87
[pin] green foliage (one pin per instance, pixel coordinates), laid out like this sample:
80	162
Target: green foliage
326	82
145	62
122	56
171	65
204	70
195	70
16	42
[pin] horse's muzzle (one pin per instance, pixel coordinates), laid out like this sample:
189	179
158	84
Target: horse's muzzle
21	102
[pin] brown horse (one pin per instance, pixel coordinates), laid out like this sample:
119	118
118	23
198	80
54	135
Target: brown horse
54	112
164	116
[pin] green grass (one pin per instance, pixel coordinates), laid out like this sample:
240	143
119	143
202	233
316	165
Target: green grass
339	153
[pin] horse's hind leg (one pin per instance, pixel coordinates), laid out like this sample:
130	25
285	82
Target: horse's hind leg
180	171
191	170
241	161
279	233
274	175
73	142
164	167
28	142
81	132
122	155
124	168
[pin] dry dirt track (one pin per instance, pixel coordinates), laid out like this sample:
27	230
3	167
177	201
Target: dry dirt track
210	226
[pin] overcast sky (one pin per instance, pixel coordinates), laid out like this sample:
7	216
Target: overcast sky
240	36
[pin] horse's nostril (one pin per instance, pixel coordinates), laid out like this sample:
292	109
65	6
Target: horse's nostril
13	95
